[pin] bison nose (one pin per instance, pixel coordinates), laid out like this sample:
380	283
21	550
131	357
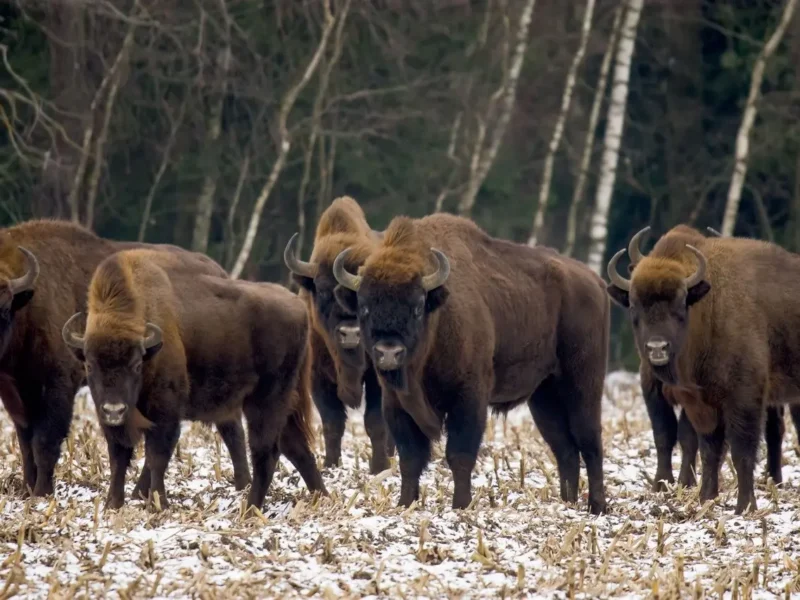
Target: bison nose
114	413
349	336
657	351
389	356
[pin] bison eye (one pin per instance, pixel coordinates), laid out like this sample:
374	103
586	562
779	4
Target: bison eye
418	311
137	368
363	311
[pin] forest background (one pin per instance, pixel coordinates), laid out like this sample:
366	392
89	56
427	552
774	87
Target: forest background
227	125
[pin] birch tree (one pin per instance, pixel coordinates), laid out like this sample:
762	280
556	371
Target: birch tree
558	131
284	143
613	136
749	117
588	142
503	100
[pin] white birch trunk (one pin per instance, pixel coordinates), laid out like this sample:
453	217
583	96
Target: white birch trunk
558	132
613	138
749	117
588	143
283	145
508	94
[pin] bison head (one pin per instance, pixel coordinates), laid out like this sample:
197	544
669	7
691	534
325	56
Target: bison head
15	293
340	324
392	314
113	367
658	297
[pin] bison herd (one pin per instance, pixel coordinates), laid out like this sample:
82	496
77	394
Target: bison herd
432	321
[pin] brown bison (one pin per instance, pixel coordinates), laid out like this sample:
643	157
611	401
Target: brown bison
340	363
45	269
457	321
717	329
162	345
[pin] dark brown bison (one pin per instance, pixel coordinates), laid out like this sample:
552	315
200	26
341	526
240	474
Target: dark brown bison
162	345
45	269
717	329
457	321
340	363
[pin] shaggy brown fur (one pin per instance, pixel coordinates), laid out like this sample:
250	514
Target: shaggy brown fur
739	349
38	375
253	359
511	324
339	373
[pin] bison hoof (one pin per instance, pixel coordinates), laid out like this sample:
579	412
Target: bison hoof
597	507
687	481
241	483
378	465
661	482
114	503
330	463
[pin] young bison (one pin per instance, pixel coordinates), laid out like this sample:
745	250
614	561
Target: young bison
456	321
340	364
717	323
161	346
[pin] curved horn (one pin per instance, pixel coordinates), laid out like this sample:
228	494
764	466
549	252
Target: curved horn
436	279
617	279
343	276
713	231
297	266
633	246
71	338
24	283
152	335
700	274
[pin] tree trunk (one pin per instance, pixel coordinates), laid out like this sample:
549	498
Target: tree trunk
749	117
484	157
558	132
588	142
284	144
613	138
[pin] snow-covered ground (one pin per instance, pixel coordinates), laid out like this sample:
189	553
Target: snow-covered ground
518	540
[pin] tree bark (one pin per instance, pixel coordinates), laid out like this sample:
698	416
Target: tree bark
483	158
588	142
749	117
284	143
613	137
558	132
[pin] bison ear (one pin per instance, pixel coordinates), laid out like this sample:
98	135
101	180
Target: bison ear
618	295
78	354
347	298
21	299
435	298
697	292
152	351
304	282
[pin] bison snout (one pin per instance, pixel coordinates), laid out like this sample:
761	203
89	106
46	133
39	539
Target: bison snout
658	351
389	357
349	336
114	413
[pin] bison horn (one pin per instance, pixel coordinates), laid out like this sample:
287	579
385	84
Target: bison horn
24	283
700	274
617	279
297	266
71	338
153	335
634	251
343	276
436	279
713	232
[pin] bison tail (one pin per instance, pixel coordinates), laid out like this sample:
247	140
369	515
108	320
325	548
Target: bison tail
302	406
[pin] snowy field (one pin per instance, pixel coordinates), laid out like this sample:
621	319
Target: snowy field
517	540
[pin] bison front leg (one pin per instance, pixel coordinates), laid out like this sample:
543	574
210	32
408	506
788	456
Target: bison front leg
774	432
25	439
465	427
794	410
413	448
160	442
687	438
375	424
119	456
232	434
743	427
142	489
665	431
712	451
333	416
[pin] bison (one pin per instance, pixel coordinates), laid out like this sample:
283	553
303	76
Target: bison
162	345
716	327
340	364
456	321
45	269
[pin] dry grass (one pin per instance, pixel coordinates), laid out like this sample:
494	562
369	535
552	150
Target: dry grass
517	540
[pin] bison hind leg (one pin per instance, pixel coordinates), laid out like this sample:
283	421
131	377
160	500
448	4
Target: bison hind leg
294	446
774	433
